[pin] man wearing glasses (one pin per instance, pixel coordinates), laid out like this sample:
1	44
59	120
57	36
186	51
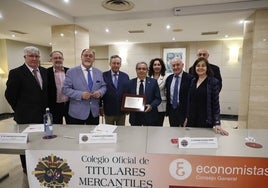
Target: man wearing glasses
26	91
216	70
144	85
84	85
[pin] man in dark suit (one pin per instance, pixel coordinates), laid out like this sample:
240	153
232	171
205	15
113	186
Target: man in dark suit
216	70
147	86
26	91
116	83
58	103
177	87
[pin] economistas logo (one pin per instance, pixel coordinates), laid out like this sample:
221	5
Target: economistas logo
53	172
180	169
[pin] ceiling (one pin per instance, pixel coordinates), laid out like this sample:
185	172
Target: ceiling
31	20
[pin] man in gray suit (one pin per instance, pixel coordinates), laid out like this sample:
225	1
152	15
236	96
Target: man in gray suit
84	85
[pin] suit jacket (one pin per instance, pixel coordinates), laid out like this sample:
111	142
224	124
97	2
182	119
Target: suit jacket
161	81
183	95
51	87
213	104
216	71
25	96
73	87
153	98
112	99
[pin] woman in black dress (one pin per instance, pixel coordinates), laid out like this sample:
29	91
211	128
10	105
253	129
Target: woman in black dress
203	100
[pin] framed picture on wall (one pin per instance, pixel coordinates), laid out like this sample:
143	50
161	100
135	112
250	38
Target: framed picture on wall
170	53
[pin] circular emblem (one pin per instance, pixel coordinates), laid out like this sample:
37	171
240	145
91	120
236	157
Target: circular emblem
53	171
180	169
84	138
184	142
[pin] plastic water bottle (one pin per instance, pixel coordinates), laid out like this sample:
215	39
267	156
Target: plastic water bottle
48	124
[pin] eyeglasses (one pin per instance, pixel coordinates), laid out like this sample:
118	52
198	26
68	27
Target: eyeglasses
88	56
202	54
34	56
141	68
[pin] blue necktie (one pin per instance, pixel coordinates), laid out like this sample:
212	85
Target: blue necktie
115	80
175	93
141	89
90	81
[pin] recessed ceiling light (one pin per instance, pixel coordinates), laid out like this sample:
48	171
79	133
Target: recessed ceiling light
107	30
168	27
226	36
62	35
66	1
173	38
13	35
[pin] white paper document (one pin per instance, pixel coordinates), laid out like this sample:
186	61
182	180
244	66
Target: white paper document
104	128
198	142
34	128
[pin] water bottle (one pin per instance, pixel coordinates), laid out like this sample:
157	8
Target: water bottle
48	124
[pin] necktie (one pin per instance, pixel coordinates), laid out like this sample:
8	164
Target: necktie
35	76
115	80
175	93
141	89
89	79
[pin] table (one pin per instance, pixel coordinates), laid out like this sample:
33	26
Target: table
141	140
151	144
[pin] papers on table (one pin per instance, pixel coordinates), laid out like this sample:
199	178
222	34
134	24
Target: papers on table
103	133
104	128
34	128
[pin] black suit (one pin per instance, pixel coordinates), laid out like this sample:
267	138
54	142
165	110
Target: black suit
26	97
216	72
177	116
58	110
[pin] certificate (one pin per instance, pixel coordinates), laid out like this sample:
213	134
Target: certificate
133	103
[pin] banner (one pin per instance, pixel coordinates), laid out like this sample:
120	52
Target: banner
84	169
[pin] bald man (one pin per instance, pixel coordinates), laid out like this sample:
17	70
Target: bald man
216	70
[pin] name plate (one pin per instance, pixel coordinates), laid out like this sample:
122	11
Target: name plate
85	138
198	142
16	138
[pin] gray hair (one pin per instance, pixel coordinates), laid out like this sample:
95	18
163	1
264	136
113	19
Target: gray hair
30	49
141	63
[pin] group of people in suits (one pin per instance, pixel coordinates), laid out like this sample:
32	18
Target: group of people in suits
82	93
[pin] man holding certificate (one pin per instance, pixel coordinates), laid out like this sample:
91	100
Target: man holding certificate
143	89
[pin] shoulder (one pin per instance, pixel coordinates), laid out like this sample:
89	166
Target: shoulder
94	69
123	73
187	75
214	67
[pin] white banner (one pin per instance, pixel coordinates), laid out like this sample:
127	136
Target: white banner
80	169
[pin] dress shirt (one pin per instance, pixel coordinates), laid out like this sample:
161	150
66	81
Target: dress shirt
59	76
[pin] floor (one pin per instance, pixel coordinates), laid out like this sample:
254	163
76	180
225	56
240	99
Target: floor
17	179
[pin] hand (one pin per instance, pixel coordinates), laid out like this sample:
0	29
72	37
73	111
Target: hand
148	108
219	130
86	95
96	94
